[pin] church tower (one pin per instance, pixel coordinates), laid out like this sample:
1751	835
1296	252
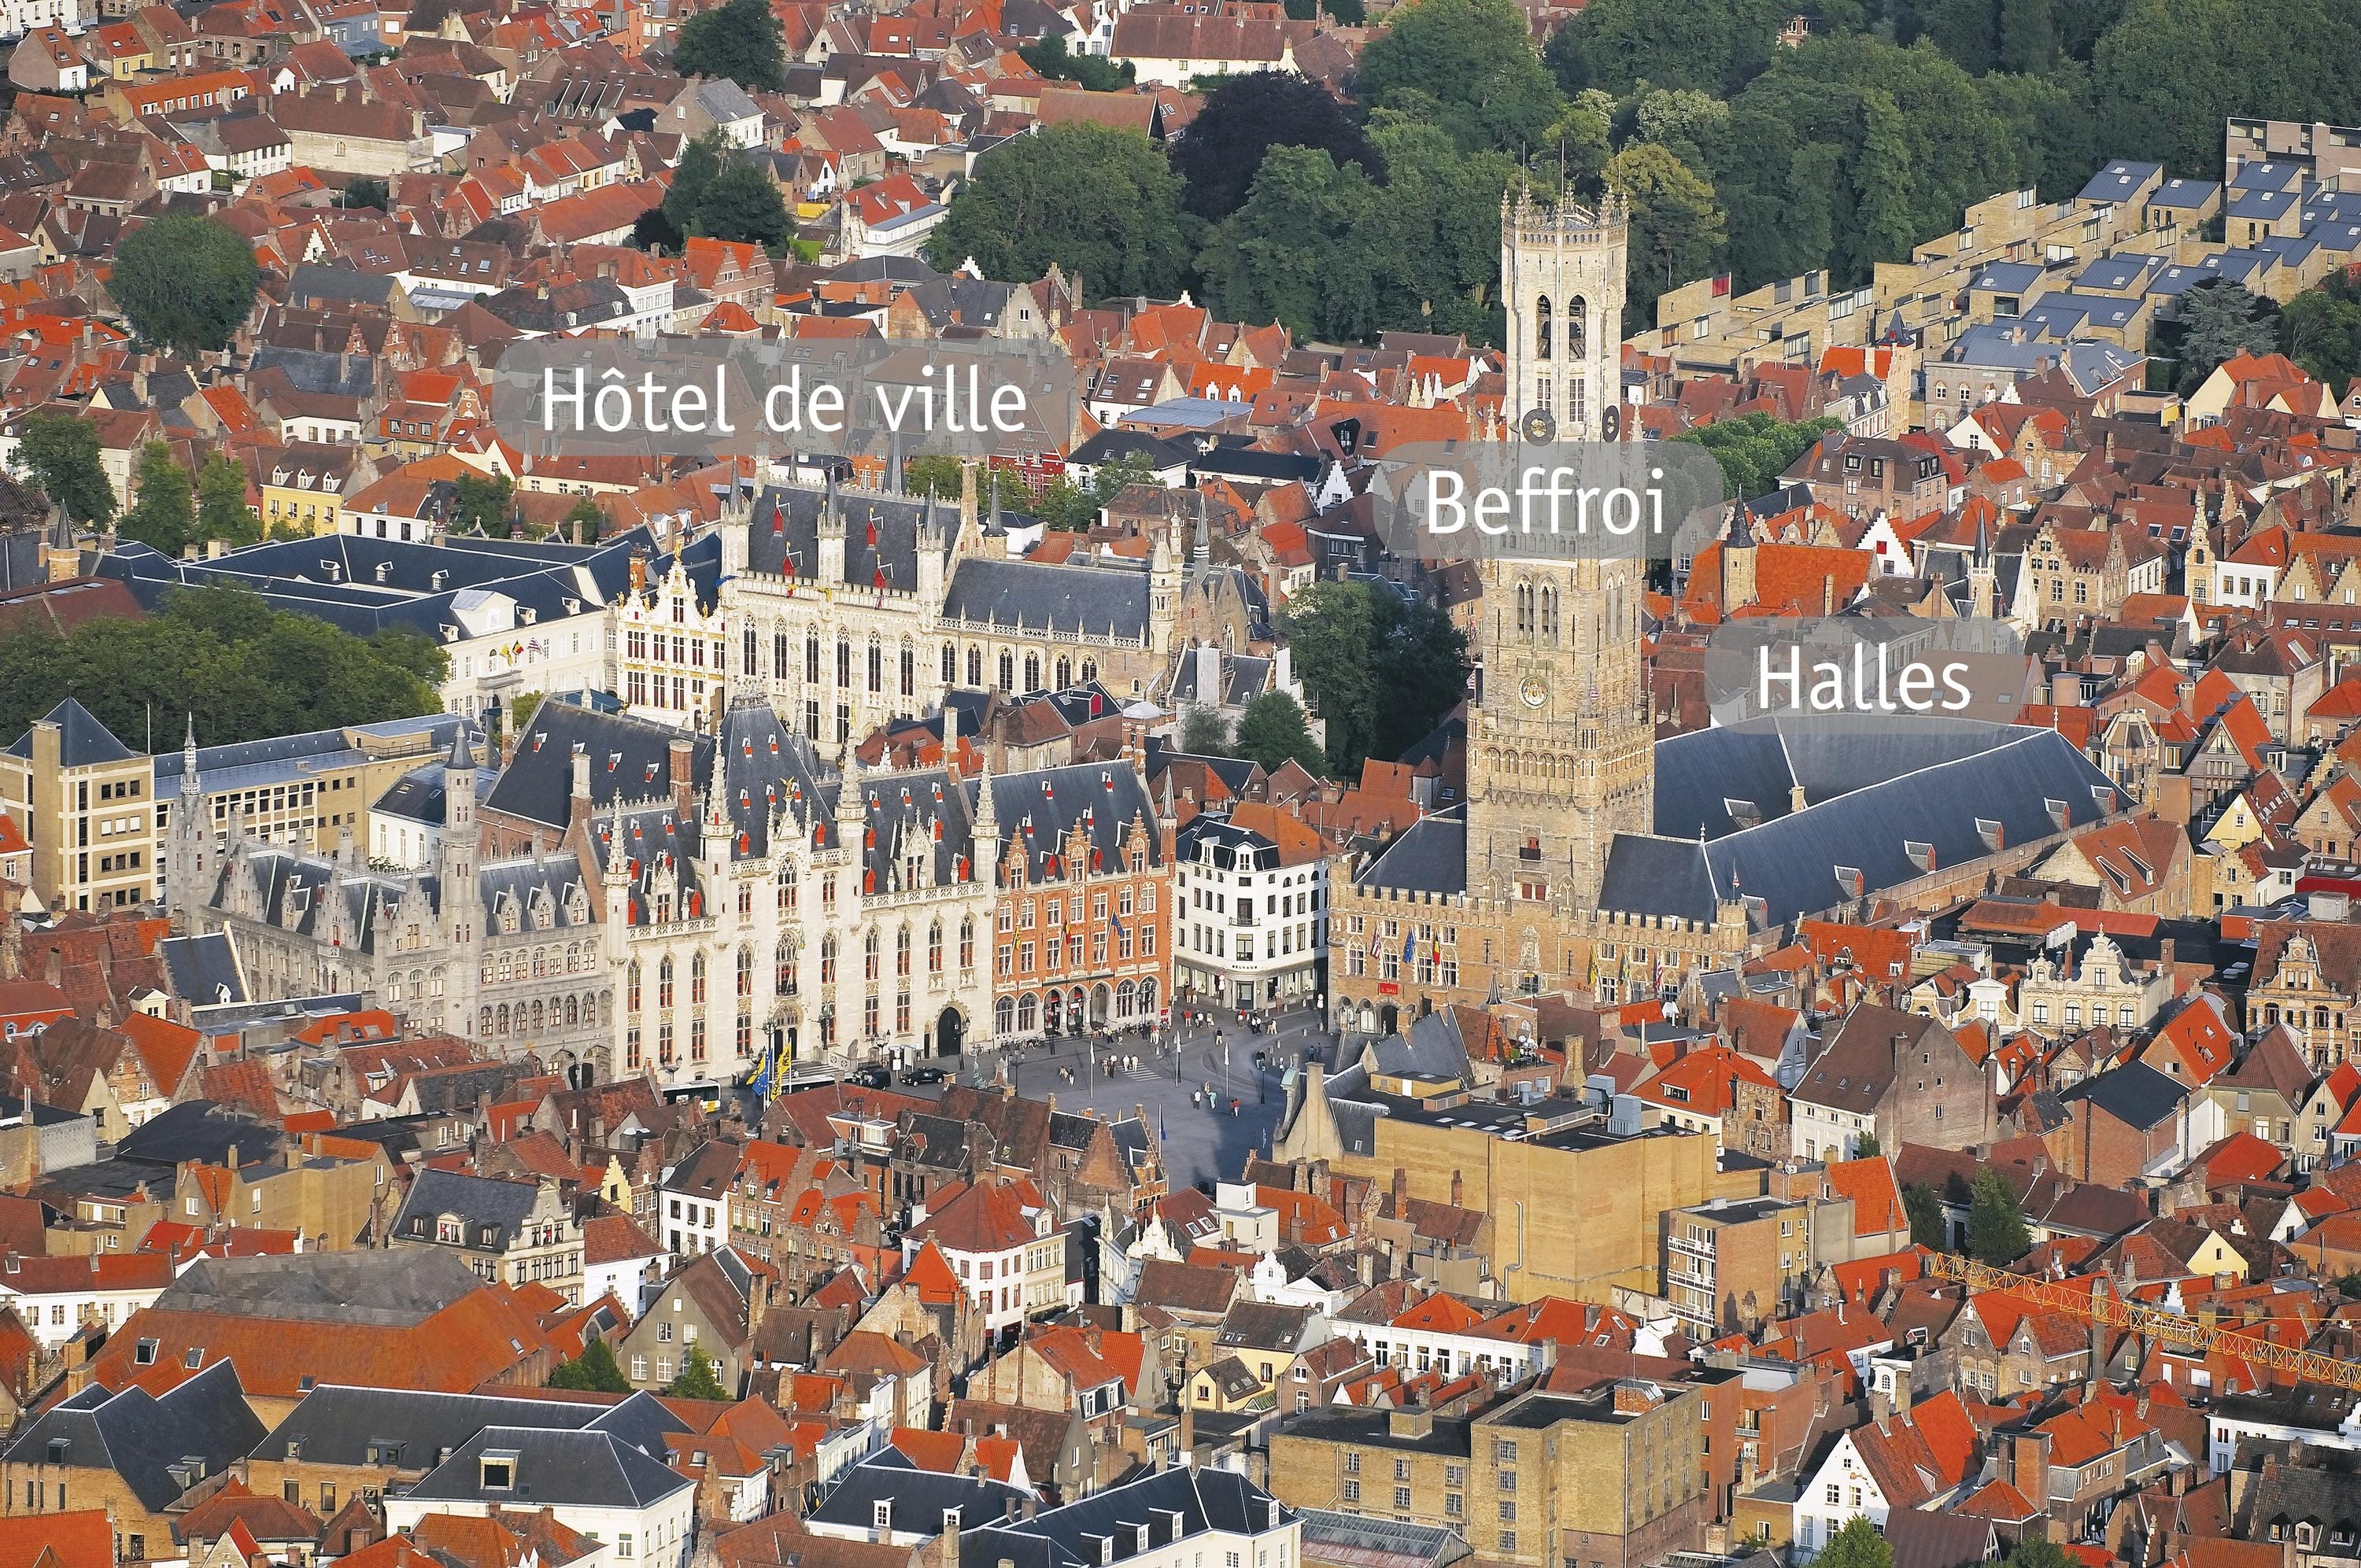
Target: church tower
1560	747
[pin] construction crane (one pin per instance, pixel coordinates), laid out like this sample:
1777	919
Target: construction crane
2091	1298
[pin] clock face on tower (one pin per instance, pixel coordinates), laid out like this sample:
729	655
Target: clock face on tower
1534	690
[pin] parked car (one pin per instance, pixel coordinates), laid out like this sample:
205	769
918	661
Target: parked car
925	1075
870	1076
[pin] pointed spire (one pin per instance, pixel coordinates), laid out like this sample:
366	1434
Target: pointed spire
463	754
189	782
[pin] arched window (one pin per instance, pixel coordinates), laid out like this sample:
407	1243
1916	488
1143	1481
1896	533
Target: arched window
935	948
1008	670
1544	348
876	666
789	889
664	984
950	664
909	671
1065	673
974	665
1090	671
695	978
1003	1014
811	658
745	971
828	959
1525	610
1549	614
1032	672
869	956
902	951
1577	327
967	943
631	987
783	983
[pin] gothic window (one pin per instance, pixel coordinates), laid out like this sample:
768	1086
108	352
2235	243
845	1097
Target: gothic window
1008	670
967	943
811	657
844	661
950	665
1549	614
974	666
902	951
869	956
1032	672
631	987
935	949
753	652
783	983
877	667
664	984
745	971
697	978
779	656
1525	610
789	889
909	671
1577	329
1090	671
1542	345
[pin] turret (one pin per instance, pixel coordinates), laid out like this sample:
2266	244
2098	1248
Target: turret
455	851
831	566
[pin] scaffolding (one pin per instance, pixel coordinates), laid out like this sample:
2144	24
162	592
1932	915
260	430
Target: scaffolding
2091	1298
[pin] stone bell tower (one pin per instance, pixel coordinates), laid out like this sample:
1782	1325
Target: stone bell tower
1560	747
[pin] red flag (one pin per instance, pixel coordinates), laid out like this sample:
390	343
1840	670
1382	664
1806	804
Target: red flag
872	534
880	575
778	523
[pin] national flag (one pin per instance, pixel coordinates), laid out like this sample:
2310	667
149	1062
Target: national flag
872	531
778	524
1410	946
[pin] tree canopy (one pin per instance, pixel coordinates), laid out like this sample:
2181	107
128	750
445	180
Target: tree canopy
1467	65
1384	671
1273	730
252	671
1093	72
1249	115
1929	1228
2217	321
741	39
1100	202
1755	449
1855	1544
186	282
699	1379
58	453
1996	1231
594	1370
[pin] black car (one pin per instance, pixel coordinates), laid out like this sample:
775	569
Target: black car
870	1076
925	1075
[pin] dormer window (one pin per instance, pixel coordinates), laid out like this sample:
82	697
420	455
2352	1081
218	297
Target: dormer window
497	1470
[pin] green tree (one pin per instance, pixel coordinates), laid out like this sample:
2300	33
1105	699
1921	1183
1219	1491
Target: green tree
1714	46
700	164
260	672
2027	37
2349	1285
1470	65
1305	249
1383	670
741	39
594	1370
1249	115
1966	30
1205	734
1929	1228
2218	321
1093	72
484	503
1755	449
1866	1147
1068	508
222	511
1676	232
1997	1233
699	1379
583	521
521	708
162	513
742	206
931	473
363	191
1100	202
185	282
1438	231
60	453
1273	730
1855	1544
2320	329
2038	1551
2166	73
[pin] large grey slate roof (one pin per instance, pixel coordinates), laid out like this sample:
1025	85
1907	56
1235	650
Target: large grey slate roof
142	1436
83	740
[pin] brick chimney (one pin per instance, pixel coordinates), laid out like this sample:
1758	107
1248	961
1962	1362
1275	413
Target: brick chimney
679	770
